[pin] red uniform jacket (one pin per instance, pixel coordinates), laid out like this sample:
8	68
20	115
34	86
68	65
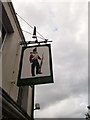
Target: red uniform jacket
32	56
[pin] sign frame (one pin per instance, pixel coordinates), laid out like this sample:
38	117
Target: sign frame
35	80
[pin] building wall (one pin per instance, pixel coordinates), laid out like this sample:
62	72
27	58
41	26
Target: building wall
0	50
29	102
10	54
89	54
11	51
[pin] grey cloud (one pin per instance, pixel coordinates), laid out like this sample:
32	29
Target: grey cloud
60	91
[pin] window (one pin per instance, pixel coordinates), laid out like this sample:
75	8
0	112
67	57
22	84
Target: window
5	26
2	34
0	38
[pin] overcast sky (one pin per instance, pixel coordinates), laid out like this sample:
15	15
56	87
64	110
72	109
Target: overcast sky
65	22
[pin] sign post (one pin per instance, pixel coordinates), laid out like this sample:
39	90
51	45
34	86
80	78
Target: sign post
32	112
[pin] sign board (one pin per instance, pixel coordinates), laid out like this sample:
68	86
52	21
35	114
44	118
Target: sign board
35	65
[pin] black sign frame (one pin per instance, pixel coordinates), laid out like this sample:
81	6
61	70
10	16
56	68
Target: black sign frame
35	80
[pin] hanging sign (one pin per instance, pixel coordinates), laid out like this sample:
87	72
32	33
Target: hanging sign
35	65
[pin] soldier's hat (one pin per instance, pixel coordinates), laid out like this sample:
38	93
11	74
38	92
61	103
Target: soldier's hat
35	49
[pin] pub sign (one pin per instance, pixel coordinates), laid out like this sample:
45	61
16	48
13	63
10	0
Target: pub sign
35	65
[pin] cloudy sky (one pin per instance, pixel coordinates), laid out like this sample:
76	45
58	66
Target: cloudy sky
65	22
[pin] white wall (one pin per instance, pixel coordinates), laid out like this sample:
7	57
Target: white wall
29	106
10	58
11	53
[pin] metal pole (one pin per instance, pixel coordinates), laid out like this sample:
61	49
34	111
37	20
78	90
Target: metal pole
32	114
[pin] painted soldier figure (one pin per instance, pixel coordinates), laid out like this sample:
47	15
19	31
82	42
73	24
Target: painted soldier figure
34	57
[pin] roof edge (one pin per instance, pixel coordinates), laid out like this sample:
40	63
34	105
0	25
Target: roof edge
16	20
